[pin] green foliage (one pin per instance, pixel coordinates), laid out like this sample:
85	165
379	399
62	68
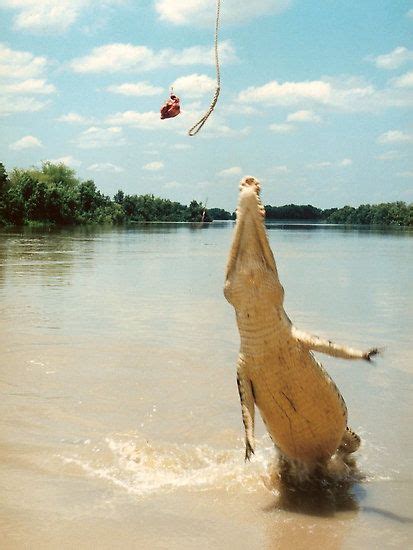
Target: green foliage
386	214
144	208
390	213
54	195
219	214
4	185
4	180
293	212
195	212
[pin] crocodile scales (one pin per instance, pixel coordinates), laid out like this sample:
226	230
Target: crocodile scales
301	407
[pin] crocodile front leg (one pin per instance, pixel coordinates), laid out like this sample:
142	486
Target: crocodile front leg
246	395
330	348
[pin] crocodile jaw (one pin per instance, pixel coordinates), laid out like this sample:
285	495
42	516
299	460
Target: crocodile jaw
251	271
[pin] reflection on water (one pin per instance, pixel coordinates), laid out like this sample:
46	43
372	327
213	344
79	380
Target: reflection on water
318	500
323	492
119	411
358	230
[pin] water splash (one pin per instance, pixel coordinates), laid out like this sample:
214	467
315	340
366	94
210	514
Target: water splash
143	468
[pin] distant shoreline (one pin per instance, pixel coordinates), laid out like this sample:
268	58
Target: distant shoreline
55	196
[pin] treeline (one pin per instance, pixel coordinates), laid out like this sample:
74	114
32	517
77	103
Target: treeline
389	213
293	212
53	194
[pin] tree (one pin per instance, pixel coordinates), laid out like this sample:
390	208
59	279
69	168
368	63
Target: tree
54	194
4	185
219	214
195	211
57	174
4	180
293	212
119	197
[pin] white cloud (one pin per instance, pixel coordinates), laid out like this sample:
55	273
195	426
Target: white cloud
148	120
389	155
114	58
395	136
410	14
406	174
282	128
50	15
95	137
137	89
404	81
45	14
317	165
202	12
396	58
303	116
15	64
232	171
327	164
10	105
74	118
194	85
281	169
26	142
31	86
199	55
342	93
240	109
121	57
105	167
68	160
154	166
21	69
287	93
218	128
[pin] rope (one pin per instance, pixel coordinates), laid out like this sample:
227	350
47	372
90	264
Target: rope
196	127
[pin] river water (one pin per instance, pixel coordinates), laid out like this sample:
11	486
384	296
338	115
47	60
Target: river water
120	425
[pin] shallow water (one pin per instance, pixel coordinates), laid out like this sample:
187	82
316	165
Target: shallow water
120	425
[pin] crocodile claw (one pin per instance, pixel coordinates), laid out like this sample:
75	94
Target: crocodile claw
248	451
371	353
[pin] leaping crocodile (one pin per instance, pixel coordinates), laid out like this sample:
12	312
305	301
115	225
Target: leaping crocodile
301	407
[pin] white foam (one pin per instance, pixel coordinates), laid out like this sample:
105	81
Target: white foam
142	469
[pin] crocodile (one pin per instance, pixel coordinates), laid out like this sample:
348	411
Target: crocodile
302	409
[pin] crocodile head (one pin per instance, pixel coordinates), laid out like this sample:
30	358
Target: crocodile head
251	271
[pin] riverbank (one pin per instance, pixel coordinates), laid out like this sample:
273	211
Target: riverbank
54	195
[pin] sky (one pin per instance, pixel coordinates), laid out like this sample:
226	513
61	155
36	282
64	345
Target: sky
316	97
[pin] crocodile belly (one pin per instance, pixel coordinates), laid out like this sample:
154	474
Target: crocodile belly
301	407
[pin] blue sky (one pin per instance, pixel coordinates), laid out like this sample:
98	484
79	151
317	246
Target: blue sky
316	96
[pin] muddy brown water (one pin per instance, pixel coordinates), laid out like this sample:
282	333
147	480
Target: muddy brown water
120	425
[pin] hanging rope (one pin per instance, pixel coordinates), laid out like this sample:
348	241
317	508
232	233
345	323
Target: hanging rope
196	127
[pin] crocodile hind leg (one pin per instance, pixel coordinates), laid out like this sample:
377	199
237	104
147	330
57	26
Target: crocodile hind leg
350	442
246	396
